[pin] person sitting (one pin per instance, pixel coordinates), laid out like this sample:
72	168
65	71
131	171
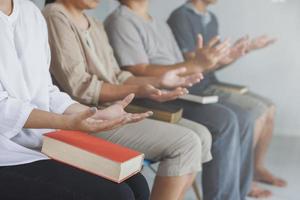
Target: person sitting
84	66
146	46
31	106
187	22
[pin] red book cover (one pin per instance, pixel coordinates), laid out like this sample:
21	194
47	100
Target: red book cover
93	145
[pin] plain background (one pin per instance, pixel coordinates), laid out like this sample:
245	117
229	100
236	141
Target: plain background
273	72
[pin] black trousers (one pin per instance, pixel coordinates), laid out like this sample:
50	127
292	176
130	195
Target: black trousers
51	180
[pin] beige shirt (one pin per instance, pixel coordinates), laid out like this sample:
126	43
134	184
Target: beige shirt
82	60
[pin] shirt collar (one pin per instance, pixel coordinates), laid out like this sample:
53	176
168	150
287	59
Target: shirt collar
205	15
14	15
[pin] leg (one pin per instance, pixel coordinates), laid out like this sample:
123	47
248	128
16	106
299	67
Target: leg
178	150
204	134
188	185
245	108
50	180
261	173
246	125
221	176
170	184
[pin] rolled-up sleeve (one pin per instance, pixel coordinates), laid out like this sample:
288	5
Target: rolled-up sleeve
14	114
59	101
68	66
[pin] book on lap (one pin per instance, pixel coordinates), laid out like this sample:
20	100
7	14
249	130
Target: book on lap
92	154
161	111
203	99
228	87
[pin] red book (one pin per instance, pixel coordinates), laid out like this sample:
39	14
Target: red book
92	154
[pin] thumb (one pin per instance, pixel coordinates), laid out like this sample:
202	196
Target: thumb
200	41
155	91
87	113
180	70
127	100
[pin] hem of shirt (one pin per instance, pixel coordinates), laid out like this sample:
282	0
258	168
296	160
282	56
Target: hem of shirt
25	162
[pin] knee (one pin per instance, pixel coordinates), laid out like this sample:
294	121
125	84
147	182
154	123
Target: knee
206	140
227	124
194	144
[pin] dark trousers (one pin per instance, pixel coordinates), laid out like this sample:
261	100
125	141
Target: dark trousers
51	180
229	175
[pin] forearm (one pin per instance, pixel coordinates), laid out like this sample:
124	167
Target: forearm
39	119
159	70
143	80
75	108
110	92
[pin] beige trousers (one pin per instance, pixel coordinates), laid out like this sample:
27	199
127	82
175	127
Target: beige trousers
179	148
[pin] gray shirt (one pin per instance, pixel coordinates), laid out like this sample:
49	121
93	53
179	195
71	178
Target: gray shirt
137	41
186	23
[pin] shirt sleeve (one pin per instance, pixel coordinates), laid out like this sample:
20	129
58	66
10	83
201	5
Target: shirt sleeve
126	42
68	65
121	75
183	32
14	114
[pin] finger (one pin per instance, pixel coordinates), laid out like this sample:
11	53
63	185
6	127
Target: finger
200	41
223	54
223	45
155	91
87	113
213	42
127	100
110	124
180	70
140	116
191	80
272	40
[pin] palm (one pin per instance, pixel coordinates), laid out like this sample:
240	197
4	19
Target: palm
237	51
262	42
111	112
171	79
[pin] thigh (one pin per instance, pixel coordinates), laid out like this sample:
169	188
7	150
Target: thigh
153	138
254	104
216	117
50	180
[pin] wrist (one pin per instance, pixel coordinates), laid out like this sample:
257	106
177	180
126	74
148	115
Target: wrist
139	91
64	122
195	66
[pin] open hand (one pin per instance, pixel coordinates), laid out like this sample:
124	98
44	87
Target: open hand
117	110
209	56
238	50
261	42
82	121
169	95
175	78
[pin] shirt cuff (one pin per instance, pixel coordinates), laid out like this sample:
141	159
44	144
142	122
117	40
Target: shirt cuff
25	111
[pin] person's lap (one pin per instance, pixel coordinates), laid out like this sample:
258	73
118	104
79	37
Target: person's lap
255	104
50	180
178	149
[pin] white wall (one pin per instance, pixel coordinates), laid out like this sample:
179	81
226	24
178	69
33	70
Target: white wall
273	72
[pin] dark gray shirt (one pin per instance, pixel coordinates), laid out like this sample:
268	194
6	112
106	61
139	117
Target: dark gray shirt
186	23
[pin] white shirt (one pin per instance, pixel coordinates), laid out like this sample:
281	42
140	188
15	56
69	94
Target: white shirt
25	83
